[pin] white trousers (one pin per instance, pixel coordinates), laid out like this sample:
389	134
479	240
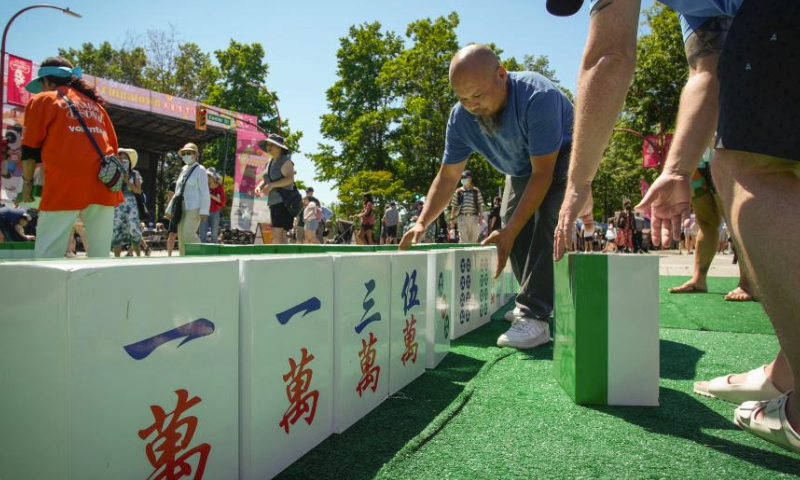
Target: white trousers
187	229
468	228
53	229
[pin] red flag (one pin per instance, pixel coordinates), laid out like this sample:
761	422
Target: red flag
20	72
651	157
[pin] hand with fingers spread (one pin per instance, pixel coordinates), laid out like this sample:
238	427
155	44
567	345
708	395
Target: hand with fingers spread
577	203
669	199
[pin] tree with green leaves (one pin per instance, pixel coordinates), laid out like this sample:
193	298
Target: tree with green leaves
361	112
383	186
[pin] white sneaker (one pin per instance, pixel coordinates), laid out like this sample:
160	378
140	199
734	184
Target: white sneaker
512	315
525	333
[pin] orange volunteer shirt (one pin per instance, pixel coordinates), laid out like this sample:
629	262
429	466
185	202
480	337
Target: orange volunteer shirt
70	161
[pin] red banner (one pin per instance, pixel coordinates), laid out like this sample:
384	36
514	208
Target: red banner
20	72
651	157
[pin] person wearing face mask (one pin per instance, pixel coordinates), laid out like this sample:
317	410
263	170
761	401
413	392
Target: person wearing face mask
466	208
127	230
521	123
54	137
192	199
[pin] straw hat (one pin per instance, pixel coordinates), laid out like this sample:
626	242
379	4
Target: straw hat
132	154
189	147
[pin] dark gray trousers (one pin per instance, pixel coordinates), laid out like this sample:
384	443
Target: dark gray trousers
532	254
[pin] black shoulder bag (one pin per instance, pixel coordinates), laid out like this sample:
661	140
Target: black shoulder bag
291	196
177	200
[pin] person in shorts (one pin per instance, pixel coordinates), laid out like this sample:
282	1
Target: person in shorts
743	84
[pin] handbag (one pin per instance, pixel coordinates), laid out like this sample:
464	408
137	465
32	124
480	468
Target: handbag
141	205
291	197
177	200
111	171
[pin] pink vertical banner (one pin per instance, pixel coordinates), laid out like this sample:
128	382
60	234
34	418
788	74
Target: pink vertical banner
644	186
20	72
247	209
651	157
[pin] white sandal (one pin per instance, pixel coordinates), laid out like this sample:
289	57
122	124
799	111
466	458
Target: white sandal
774	427
756	387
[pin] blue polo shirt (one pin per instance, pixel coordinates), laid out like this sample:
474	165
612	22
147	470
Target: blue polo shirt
537	120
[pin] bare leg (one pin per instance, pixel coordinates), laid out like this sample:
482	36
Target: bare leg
759	192
708	218
778	371
171	242
279	236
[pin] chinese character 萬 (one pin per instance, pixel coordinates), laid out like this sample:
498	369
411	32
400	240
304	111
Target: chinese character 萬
173	435
369	371
299	382
409	336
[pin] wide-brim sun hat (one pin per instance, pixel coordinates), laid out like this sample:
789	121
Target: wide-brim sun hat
132	154
189	147
35	85
564	8
274	139
213	173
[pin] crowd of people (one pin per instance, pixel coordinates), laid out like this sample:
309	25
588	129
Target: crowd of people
549	151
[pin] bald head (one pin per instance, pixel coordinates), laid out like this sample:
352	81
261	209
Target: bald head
473	61
478	80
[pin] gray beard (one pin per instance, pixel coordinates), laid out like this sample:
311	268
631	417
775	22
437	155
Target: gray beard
490	124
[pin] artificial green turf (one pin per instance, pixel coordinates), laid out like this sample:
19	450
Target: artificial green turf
709	311
492	413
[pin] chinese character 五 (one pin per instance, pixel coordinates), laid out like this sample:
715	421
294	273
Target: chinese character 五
410	292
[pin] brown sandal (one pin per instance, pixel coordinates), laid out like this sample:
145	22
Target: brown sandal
686	288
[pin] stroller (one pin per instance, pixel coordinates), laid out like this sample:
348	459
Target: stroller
344	232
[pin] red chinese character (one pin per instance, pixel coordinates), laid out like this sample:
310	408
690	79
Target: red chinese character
369	371
410	333
296	392
173	438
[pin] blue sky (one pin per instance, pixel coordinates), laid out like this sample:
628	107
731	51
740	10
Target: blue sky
300	38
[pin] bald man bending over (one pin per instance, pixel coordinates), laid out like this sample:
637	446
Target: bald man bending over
522	123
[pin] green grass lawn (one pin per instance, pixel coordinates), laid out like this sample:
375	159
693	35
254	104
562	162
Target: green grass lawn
492	413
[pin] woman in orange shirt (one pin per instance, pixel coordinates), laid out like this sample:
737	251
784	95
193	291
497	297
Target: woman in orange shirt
54	137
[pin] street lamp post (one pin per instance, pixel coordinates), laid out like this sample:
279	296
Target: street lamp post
274	103
3	48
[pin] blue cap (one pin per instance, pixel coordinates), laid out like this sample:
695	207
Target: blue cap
35	85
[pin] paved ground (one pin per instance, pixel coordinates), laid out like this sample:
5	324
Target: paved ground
673	264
